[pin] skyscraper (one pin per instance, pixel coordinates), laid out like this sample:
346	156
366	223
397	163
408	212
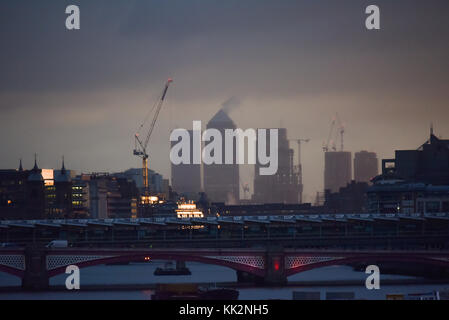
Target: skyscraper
282	187
186	178
365	166
337	170
221	181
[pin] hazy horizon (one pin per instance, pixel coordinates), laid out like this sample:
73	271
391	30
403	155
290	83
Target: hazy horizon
292	64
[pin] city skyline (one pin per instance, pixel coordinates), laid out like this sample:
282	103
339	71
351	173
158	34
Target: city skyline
224	150
83	94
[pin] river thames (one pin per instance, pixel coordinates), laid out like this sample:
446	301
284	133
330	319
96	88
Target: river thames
113	277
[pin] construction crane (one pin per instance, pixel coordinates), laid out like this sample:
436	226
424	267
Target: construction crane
328	141
140	146
245	187
341	130
299	141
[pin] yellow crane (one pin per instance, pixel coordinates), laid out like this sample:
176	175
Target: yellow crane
140	146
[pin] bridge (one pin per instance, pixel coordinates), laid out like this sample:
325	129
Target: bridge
356	231
265	248
271	265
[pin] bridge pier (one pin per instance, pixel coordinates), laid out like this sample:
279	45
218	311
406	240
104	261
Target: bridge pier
36	276
245	277
275	268
275	274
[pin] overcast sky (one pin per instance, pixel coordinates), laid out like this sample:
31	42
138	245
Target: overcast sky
292	64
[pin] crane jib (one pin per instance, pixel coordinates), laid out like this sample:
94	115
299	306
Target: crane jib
165	92
142	145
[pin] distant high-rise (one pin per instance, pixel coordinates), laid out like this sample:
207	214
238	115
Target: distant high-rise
366	166
186	178
337	170
221	181
282	187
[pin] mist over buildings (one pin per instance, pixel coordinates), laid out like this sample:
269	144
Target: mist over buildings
295	63
231	104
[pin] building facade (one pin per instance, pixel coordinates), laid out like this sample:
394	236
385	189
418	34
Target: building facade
337	170
366	166
13	200
221	181
186	178
397	196
428	164
111	197
415	181
349	199
282	187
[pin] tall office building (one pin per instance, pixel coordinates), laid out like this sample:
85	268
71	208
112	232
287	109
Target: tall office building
221	181
282	187
110	196
366	166
186	178
337	170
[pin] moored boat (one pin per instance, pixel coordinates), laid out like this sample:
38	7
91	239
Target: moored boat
188	291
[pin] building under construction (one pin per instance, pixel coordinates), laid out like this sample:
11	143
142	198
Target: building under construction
337	163
284	186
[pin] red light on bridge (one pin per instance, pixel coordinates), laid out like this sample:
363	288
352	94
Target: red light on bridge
276	265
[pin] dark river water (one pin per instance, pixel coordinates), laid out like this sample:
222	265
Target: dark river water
142	273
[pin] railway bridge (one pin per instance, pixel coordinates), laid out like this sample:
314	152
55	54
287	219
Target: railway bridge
35	266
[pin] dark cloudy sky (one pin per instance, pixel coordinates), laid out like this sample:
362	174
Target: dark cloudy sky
288	63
